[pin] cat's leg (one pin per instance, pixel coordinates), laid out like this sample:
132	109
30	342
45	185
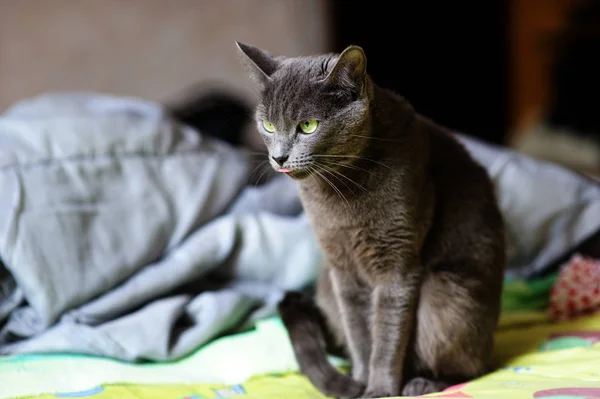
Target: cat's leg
351	310
395	297
456	320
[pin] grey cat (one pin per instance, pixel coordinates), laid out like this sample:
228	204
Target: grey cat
407	220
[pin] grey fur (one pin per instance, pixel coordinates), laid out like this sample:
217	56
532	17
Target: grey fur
408	222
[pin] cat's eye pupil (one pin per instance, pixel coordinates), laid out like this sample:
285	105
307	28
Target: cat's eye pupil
308	126
268	126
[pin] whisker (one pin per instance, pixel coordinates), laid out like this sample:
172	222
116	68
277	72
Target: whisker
373	138
316	171
330	162
337	190
312	174
256	168
265	169
354	157
332	170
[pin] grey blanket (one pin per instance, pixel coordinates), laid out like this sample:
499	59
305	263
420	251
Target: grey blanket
127	235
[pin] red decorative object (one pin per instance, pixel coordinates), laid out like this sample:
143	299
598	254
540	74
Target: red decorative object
577	289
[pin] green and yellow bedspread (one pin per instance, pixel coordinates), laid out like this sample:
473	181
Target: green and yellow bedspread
535	358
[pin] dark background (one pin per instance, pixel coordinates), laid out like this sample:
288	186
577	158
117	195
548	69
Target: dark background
451	63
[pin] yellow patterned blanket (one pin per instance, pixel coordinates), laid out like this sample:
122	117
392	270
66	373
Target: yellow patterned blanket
536	358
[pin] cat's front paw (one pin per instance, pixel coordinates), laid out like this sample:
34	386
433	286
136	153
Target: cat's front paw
382	387
422	386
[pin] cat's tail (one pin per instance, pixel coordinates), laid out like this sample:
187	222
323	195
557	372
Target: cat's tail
305	326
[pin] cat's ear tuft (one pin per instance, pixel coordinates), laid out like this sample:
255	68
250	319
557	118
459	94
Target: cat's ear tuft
350	69
259	63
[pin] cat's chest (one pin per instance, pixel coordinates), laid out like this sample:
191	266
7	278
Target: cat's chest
328	215
369	231
345	231
353	248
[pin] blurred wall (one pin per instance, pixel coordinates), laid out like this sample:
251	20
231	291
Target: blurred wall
147	48
534	27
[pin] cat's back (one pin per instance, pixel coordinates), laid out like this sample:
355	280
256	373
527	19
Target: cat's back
455	173
466	209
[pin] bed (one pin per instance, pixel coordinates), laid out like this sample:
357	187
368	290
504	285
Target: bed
535	358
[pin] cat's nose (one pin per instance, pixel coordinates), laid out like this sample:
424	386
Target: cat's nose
280	159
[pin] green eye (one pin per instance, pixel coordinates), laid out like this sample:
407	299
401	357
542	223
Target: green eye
308	126
269	127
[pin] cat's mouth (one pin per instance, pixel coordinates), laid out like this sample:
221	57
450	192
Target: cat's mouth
296	173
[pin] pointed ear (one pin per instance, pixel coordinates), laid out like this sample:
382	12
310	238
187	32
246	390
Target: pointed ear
259	63
350	69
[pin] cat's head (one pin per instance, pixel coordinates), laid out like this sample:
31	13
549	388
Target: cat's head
314	111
